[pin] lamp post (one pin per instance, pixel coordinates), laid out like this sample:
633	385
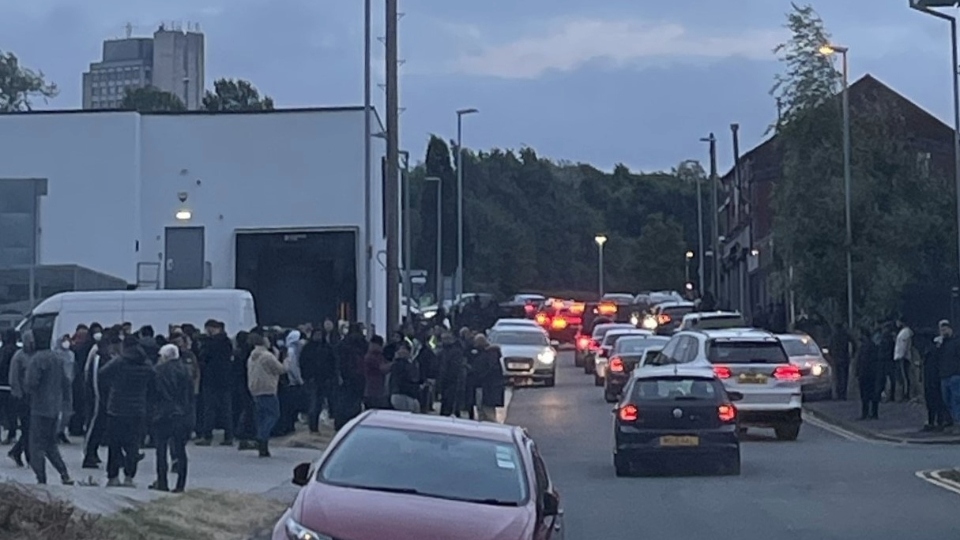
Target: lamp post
600	239
459	274
686	268
439	270
407	237
715	212
827	50
925	6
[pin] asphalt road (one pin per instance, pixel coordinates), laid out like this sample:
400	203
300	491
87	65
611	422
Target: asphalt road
824	486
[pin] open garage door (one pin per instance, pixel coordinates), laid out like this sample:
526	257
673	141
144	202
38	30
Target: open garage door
299	276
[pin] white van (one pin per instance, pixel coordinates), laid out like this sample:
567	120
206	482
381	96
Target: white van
62	312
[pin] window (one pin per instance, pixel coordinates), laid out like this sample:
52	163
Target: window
801	347
674	388
746	352
520	338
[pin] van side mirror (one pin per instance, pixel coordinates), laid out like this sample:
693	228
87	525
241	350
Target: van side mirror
735	396
551	504
301	474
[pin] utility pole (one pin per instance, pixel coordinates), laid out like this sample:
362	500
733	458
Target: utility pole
392	195
407	236
743	262
715	236
367	167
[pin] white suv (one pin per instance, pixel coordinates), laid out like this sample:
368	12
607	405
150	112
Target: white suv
750	362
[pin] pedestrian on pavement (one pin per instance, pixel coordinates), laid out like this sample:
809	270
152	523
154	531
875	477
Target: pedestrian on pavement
129	379
376	368
841	343
82	343
869	375
291	394
406	380
938	416
65	354
173	416
263	377
886	347
453	375
489	376
46	386
350	352
107	349
216	383
17	376
148	342
902	354
244	411
948	362
8	409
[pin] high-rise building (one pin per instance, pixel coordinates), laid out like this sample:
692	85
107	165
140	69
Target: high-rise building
172	61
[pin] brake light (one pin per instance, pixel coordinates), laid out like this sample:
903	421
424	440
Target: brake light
529	308
558	323
727	413
616	364
663	319
722	372
607	309
594	345
577	308
583	343
628	413
789	372
542	319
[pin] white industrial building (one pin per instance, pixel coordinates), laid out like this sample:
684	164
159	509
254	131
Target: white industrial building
273	202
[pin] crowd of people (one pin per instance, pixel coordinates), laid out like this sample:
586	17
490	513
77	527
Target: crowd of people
130	390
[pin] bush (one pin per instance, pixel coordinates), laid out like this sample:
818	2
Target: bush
27	514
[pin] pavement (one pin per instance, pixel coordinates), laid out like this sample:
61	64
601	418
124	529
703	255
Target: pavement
897	422
828	485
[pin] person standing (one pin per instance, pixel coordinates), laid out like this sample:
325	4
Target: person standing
405	380
938	416
173	416
840	346
8	409
948	363
902	353
291	395
46	386
18	391
350	354
886	344
243	408
869	376
452	376
376	368
106	349
129	378
489	376
216	383
67	360
263	376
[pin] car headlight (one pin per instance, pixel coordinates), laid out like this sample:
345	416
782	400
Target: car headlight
429	314
634	320
817	370
547	356
296	531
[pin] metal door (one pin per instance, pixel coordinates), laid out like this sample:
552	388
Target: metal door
184	258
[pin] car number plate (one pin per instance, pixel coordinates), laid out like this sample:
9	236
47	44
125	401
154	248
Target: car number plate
756	378
675	440
516	365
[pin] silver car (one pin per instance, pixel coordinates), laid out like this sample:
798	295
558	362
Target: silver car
527	356
816	375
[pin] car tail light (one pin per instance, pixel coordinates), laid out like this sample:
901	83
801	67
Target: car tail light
583	343
628	413
558	323
616	364
577	308
529	308
594	345
722	372
789	372
727	413
542	319
663	319
607	309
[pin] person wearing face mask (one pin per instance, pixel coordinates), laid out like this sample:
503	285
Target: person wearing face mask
65	354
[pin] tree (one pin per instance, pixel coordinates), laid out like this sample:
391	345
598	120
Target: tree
235	95
661	254
152	99
19	85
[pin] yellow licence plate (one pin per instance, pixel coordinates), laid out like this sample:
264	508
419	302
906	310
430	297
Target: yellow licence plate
674	440
752	379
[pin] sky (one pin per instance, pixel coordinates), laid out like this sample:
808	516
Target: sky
637	82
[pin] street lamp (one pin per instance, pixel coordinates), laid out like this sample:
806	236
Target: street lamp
686	267
925	6
407	237
827	50
600	239
439	269
459	274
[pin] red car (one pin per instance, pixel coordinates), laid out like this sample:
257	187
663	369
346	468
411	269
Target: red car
407	476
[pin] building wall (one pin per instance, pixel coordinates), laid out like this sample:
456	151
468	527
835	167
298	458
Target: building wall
178	65
89	216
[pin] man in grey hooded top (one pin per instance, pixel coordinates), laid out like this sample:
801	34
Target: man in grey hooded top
46	385
18	378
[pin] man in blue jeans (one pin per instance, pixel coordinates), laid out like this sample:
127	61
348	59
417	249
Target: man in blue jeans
263	376
948	362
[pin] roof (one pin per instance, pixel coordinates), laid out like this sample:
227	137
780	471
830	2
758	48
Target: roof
610	325
796	337
672	304
710	315
628	332
698	371
649	336
441	424
517	320
739	334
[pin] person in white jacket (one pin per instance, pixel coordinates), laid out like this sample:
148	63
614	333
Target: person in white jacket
902	353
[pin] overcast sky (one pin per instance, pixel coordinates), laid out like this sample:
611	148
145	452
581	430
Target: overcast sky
633	81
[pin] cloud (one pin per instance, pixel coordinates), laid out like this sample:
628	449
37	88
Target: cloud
573	43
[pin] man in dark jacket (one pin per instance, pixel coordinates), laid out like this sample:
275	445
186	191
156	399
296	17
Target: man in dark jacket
46	385
8	412
129	379
350	353
452	377
243	405
869	375
948	362
840	345
173	416
216	383
938	416
148	342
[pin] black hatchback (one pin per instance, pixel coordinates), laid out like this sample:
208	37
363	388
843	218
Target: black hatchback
624	358
673	415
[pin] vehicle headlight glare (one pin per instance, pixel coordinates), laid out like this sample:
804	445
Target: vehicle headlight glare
296	531
817	370
547	356
634	320
429	314
650	323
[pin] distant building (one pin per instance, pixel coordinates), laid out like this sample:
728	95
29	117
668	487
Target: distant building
172	60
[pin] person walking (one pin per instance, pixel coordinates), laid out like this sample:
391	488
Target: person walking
938	416
67	360
46	386
869	376
173	416
948	363
106	350
263	376
17	376
129	379
489	376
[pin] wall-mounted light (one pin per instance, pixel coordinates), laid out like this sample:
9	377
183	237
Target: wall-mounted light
184	215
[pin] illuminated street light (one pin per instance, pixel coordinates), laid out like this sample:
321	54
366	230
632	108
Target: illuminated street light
600	239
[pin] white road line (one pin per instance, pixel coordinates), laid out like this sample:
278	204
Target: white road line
838	431
935	478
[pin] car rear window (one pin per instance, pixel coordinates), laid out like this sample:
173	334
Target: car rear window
746	352
600	332
422	463
719	323
677	313
800	347
635	345
675	388
611	339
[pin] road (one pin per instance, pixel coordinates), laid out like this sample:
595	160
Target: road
823	486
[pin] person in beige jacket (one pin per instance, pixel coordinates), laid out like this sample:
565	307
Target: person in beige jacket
263	377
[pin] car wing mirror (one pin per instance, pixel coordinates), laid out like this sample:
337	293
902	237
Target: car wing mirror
554	343
735	396
551	504
301	474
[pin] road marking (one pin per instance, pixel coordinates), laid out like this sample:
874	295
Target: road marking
935	478
839	431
